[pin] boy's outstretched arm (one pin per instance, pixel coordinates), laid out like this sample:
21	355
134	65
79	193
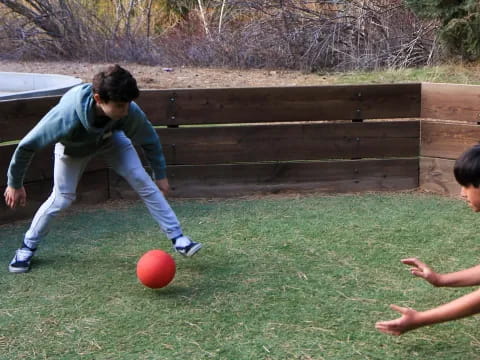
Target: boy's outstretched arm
411	319
467	277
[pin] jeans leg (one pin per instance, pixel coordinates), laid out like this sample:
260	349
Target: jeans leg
66	175
123	158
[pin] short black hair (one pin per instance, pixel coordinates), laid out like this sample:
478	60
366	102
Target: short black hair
467	167
115	84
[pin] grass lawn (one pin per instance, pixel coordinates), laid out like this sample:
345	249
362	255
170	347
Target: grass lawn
444	73
279	278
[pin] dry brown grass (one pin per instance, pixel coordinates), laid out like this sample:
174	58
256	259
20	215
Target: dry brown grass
155	77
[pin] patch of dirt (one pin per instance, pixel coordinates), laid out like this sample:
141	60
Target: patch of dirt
157	77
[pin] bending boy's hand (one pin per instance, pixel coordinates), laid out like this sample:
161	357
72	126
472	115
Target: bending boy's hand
420	269
163	185
15	197
408	321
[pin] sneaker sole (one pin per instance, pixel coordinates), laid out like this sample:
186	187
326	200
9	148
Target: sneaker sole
17	270
192	251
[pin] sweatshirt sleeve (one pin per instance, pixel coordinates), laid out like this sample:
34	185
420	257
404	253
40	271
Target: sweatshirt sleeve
49	130
138	128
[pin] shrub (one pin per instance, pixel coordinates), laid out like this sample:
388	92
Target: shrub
460	30
293	34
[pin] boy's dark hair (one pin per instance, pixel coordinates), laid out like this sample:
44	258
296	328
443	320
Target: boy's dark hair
115	84
467	167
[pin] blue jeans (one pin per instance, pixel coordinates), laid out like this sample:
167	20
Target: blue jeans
123	158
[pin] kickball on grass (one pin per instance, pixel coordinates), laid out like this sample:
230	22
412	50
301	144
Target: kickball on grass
156	269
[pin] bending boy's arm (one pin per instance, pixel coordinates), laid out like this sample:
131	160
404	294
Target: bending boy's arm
141	131
51	128
464	306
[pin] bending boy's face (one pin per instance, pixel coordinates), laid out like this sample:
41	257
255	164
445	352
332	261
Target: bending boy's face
115	110
472	195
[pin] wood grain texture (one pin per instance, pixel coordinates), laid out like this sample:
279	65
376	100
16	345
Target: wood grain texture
234	144
281	104
447	140
450	102
320	176
242	105
18	117
436	175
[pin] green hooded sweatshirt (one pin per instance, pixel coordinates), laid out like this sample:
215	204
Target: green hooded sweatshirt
71	121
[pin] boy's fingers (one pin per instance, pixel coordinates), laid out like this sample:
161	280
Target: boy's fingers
382	325
417	272
12	202
385	328
411	261
399	309
414	262
9	200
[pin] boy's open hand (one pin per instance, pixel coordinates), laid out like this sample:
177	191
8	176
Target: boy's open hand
15	197
420	269
408	321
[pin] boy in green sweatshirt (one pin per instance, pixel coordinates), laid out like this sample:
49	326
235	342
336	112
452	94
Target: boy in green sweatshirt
94	119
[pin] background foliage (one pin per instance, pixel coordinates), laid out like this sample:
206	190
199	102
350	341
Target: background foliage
460	24
293	34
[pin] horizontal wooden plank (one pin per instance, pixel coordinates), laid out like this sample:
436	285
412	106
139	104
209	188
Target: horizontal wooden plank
320	176
447	140
260	143
17	117
93	189
436	175
451	102
41	167
244	105
233	144
281	104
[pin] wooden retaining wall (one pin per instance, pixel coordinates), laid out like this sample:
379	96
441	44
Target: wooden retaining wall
230	142
450	125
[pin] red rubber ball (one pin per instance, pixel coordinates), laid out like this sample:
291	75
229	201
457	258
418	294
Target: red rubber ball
156	269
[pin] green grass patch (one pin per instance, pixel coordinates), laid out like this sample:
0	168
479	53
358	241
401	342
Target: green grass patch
290	278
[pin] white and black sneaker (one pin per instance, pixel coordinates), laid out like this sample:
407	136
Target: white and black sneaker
183	245
21	261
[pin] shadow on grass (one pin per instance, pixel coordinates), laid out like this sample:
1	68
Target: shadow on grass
201	276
